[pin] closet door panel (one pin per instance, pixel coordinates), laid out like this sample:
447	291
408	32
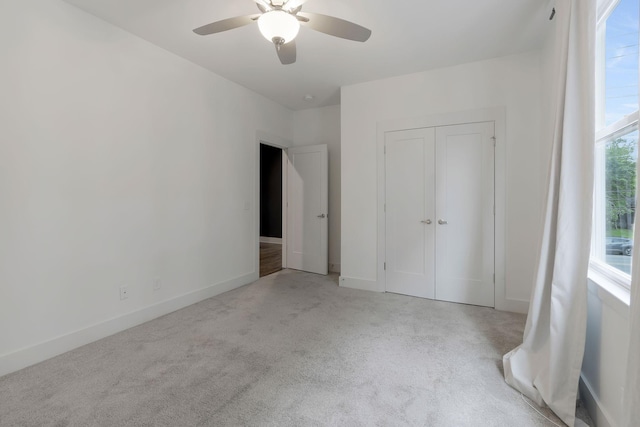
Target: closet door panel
464	211
409	189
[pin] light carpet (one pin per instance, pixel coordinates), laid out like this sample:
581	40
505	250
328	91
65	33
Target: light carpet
292	349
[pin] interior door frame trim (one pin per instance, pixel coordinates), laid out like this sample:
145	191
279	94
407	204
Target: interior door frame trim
494	114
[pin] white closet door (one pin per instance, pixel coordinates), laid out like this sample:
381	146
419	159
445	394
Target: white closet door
410	224
307	212
465	213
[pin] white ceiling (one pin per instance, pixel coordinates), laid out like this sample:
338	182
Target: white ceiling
408	36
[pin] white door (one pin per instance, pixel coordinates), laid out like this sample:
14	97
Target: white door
307	211
439	213
410	212
465	213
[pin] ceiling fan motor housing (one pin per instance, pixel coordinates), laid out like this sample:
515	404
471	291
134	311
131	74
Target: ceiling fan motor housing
278	24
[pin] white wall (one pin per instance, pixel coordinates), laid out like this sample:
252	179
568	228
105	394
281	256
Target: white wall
513	82
322	126
605	356
120	163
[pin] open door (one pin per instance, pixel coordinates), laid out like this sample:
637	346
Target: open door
307	210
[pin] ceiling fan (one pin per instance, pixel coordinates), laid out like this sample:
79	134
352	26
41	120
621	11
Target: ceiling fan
280	22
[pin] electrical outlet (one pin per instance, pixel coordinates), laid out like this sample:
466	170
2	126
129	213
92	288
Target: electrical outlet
157	284
124	292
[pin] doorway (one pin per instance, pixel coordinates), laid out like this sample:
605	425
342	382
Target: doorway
292	217
271	179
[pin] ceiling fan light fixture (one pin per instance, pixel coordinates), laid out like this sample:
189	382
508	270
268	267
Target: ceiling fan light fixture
278	25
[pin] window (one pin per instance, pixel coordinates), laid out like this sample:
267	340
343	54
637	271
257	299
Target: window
616	150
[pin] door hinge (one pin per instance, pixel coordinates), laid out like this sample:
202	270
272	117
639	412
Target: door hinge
385	266
494	140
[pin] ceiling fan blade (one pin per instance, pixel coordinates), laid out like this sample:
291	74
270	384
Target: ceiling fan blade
225	24
294	4
336	27
287	52
263	5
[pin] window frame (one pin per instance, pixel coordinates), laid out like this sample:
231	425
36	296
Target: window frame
603	134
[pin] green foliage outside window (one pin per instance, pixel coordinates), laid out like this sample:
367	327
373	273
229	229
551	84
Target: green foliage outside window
620	185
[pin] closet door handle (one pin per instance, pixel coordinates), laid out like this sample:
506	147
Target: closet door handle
322	216
441	222
426	222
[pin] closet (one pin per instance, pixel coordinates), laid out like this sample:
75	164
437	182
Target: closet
439	212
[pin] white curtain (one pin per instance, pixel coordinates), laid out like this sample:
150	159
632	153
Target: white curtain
546	366
631	397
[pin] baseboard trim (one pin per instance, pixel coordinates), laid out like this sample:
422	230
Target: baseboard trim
512	305
596	409
361	284
29	356
273	240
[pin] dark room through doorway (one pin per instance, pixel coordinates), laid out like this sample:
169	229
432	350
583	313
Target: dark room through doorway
270	209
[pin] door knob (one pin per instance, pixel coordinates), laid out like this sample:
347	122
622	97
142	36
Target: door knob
441	222
426	222
322	216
